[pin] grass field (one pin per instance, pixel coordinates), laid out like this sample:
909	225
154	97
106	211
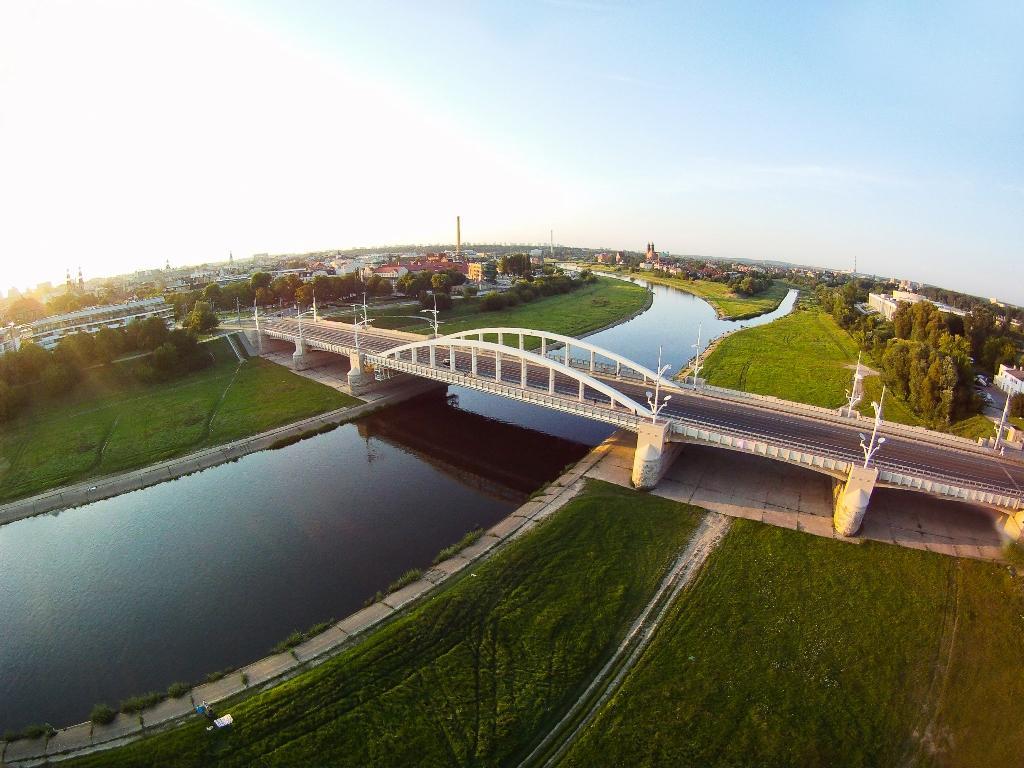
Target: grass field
112	423
474	675
796	650
573	314
805	357
727	304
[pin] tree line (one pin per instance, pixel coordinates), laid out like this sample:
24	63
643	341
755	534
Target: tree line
32	372
927	357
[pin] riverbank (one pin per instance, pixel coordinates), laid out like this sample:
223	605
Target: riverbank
113	423
727	305
338	678
97	488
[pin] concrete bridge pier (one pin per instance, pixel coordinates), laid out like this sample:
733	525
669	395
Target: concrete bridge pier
300	360
653	456
358	381
851	500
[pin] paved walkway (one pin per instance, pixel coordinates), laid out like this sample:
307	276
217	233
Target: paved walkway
739	485
85	737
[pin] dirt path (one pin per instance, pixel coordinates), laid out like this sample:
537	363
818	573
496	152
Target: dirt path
551	749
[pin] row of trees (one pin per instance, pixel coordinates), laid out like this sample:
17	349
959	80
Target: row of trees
748	285
32	371
927	357
525	291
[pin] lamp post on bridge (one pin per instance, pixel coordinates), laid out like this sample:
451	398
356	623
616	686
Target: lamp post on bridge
433	313
654	399
1002	422
871	447
697	365
857	392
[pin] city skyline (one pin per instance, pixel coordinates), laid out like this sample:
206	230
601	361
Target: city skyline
816	137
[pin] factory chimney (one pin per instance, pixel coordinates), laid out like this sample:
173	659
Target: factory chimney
458	236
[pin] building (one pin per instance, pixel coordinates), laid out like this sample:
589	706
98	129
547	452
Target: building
1010	380
8	339
48	332
389	272
651	254
887	304
482	271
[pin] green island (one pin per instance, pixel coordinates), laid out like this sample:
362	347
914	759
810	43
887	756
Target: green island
113	422
796	650
585	310
727	304
477	673
807	358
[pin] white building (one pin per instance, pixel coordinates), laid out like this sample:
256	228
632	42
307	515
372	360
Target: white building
48	332
886	304
1010	380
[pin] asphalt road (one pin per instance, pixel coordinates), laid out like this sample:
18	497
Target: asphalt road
899	453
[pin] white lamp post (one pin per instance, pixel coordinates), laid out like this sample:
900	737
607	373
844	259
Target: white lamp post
871	447
697	362
854	395
1002	422
433	314
654	399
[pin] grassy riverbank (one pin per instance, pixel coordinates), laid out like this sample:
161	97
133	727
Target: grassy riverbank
797	650
804	357
584	310
728	305
475	675
113	423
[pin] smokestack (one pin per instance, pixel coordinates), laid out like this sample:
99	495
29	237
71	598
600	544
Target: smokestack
458	236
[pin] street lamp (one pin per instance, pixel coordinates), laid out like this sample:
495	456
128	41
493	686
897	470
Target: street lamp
871	447
697	363
857	392
433	312
654	399
1002	422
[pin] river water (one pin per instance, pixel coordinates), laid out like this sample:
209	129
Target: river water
209	571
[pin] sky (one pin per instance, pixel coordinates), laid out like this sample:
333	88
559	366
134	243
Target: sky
136	132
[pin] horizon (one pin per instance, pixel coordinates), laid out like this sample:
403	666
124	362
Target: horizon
814	138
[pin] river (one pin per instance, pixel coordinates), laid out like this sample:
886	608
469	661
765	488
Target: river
209	571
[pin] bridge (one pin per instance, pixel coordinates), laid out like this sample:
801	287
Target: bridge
574	376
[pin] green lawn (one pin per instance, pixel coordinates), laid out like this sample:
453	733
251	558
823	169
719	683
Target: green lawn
573	314
727	304
796	650
112	423
804	357
475	675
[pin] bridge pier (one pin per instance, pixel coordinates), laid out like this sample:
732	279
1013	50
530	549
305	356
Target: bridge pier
358	381
300	361
653	456
851	500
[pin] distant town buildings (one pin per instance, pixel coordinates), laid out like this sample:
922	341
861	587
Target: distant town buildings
887	304
1010	380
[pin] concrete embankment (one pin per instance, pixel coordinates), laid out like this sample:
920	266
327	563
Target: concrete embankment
97	488
87	737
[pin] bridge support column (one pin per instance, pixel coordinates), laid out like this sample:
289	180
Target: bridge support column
358	381
654	455
300	361
851	500
472	357
551	381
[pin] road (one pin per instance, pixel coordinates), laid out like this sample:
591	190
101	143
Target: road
753	420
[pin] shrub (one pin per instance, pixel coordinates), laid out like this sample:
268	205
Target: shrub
102	714
177	690
405	579
139	703
492	302
1017	405
291	641
469	539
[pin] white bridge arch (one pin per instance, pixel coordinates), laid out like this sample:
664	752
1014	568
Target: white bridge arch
422	357
568	344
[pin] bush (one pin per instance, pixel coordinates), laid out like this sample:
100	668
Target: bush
177	690
492	302
291	641
139	703
102	714
413	574
470	538
1017	405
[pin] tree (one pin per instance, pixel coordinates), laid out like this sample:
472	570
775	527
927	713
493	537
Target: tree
440	281
304	294
264	297
212	293
109	343
428	299
1017	405
514	264
259	280
201	319
25	310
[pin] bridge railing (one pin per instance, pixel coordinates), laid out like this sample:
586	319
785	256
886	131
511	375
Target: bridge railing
830	414
890	471
616	417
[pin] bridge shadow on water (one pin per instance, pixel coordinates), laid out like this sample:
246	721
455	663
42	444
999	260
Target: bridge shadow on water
503	460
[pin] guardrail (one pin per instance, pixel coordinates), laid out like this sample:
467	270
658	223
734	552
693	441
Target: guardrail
890	472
